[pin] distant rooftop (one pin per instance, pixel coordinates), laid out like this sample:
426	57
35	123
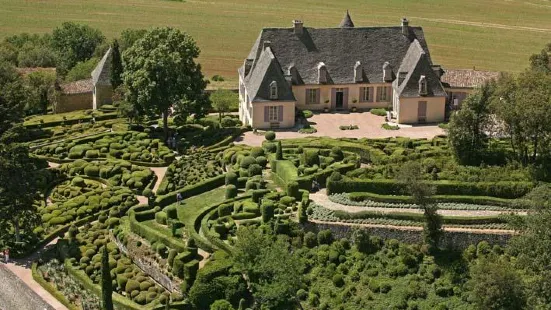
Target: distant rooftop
467	78
77	87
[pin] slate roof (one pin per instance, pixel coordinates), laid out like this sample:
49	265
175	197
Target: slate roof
77	87
416	64
467	78
346	21
339	49
102	73
266	70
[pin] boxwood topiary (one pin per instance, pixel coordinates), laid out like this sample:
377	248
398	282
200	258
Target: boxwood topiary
247	161
270	135
231	178
171	212
132	285
255	169
160	217
231	191
267	210
262	161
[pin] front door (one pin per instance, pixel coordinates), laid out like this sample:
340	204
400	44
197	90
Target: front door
339	99
422	112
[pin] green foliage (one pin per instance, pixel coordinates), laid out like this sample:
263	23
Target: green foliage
496	285
378	112
106	288
221	304
325	237
116	65
231	191
307	113
293	190
82	70
75	43
224	100
387	126
157	93
267	210
468	126
270	136
279	151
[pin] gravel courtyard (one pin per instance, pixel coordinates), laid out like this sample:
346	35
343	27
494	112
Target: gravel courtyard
328	124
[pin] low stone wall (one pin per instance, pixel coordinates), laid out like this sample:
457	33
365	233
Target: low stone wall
147	266
74	102
452	240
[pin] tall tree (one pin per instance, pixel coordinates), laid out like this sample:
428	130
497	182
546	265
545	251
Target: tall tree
523	105
410	176
116	65
496	285
542	61
12	97
468	127
75	43
222	100
40	88
106	282
532	244
272	269
130	36
161	72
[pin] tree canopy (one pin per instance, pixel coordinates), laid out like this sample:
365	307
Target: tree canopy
161	72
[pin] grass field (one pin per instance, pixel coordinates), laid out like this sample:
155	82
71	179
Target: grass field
486	34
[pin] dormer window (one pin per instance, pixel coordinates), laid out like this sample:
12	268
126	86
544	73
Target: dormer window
423	88
322	73
273	90
358	72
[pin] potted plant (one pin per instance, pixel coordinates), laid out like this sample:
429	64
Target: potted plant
326	101
354	100
326	110
354	109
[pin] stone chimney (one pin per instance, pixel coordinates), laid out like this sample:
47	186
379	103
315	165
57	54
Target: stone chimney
405	27
298	27
387	72
322	73
358	72
247	64
266	44
438	71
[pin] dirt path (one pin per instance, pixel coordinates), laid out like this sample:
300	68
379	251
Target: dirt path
205	255
53	165
322	199
21	268
160	172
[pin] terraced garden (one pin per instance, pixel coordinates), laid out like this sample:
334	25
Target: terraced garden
164	251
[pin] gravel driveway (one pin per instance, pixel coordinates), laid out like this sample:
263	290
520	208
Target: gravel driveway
15	295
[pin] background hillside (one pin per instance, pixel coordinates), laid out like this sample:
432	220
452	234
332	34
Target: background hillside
486	34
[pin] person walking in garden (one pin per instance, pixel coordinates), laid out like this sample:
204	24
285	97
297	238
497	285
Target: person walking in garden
7	255
179	198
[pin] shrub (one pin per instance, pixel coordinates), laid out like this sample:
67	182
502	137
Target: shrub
267	210
378	112
270	135
92	153
338	280
225	210
231	178
262	161
255	169
310	239
231	191
221	304
171	212
307	113
293	190
257	151
270	147
337	153
247	161
160	217
132	285
310	158
279	151
387	126
91	170
325	237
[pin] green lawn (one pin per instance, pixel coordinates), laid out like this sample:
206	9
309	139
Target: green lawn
486	34
193	206
48	118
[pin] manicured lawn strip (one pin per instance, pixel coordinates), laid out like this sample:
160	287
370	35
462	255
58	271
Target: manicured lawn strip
480	200
139	227
192	208
192	190
75	117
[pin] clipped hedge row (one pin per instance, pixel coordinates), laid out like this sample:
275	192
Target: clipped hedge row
509	190
52	290
151	234
191	190
85	118
418	217
478	200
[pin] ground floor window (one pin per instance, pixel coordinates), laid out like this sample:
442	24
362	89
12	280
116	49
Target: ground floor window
273	114
382	93
311	96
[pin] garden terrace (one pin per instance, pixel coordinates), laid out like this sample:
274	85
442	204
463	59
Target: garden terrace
189	170
137	147
114	172
112	200
133	288
70	118
206	135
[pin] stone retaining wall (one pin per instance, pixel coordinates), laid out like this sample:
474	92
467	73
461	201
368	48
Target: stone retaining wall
453	240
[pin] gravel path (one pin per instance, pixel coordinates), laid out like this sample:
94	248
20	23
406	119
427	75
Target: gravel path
322	199
15	295
160	172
